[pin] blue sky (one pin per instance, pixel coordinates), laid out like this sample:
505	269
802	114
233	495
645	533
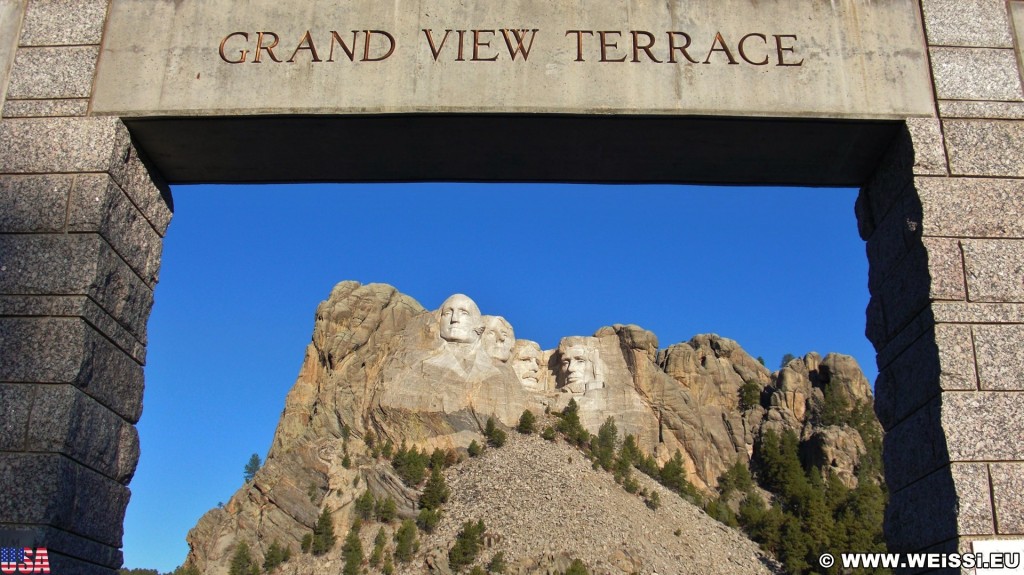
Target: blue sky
780	270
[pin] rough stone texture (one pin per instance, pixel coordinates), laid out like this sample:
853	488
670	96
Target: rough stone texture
922	430
894	237
75	306
1007	486
972	207
967	23
47	145
893	179
65	72
65	420
946	269
995	270
966	312
63	494
927	139
976	74
836	451
971	144
859	62
981	426
15	403
34	203
955	109
1000	363
903	295
620	535
72	546
11	14
67	350
974	503
98	205
76	264
146	189
915	377
921	514
45	108
57	23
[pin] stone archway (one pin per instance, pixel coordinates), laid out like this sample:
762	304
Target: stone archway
918	103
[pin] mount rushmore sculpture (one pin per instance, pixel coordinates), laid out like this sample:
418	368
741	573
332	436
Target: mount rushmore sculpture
381	368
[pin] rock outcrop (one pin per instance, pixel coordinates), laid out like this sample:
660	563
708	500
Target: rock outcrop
381	368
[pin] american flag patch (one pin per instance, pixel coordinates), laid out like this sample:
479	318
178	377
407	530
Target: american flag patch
12	555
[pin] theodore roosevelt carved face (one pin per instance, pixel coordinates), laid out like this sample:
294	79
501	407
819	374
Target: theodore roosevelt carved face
526	363
498	338
460	320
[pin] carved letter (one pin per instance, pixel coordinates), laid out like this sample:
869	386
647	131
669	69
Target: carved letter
520	35
672	47
350	52
720	42
605	45
743	54
242	53
579	41
269	49
780	49
477	44
366	46
308	41
462	38
646	47
436	50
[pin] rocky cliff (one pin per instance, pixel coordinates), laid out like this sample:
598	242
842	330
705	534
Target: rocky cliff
380	368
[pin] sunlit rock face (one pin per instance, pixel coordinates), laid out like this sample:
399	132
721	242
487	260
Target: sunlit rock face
382	366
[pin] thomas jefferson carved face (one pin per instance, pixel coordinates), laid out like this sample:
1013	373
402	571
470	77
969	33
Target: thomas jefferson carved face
498	338
460	320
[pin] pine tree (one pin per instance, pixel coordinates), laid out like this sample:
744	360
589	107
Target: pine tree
436	492
570	425
405	541
495	436
577	568
352	551
428	519
467	545
378	548
604	447
323	534
275	555
242	562
527	422
497	563
386	510
474	449
750	395
252	467
364	505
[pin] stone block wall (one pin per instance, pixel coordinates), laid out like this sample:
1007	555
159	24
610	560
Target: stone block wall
81	225
944	224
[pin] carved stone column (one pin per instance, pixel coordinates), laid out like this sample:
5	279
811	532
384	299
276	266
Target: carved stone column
81	227
944	222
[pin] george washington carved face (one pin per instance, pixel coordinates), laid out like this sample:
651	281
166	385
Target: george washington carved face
460	320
